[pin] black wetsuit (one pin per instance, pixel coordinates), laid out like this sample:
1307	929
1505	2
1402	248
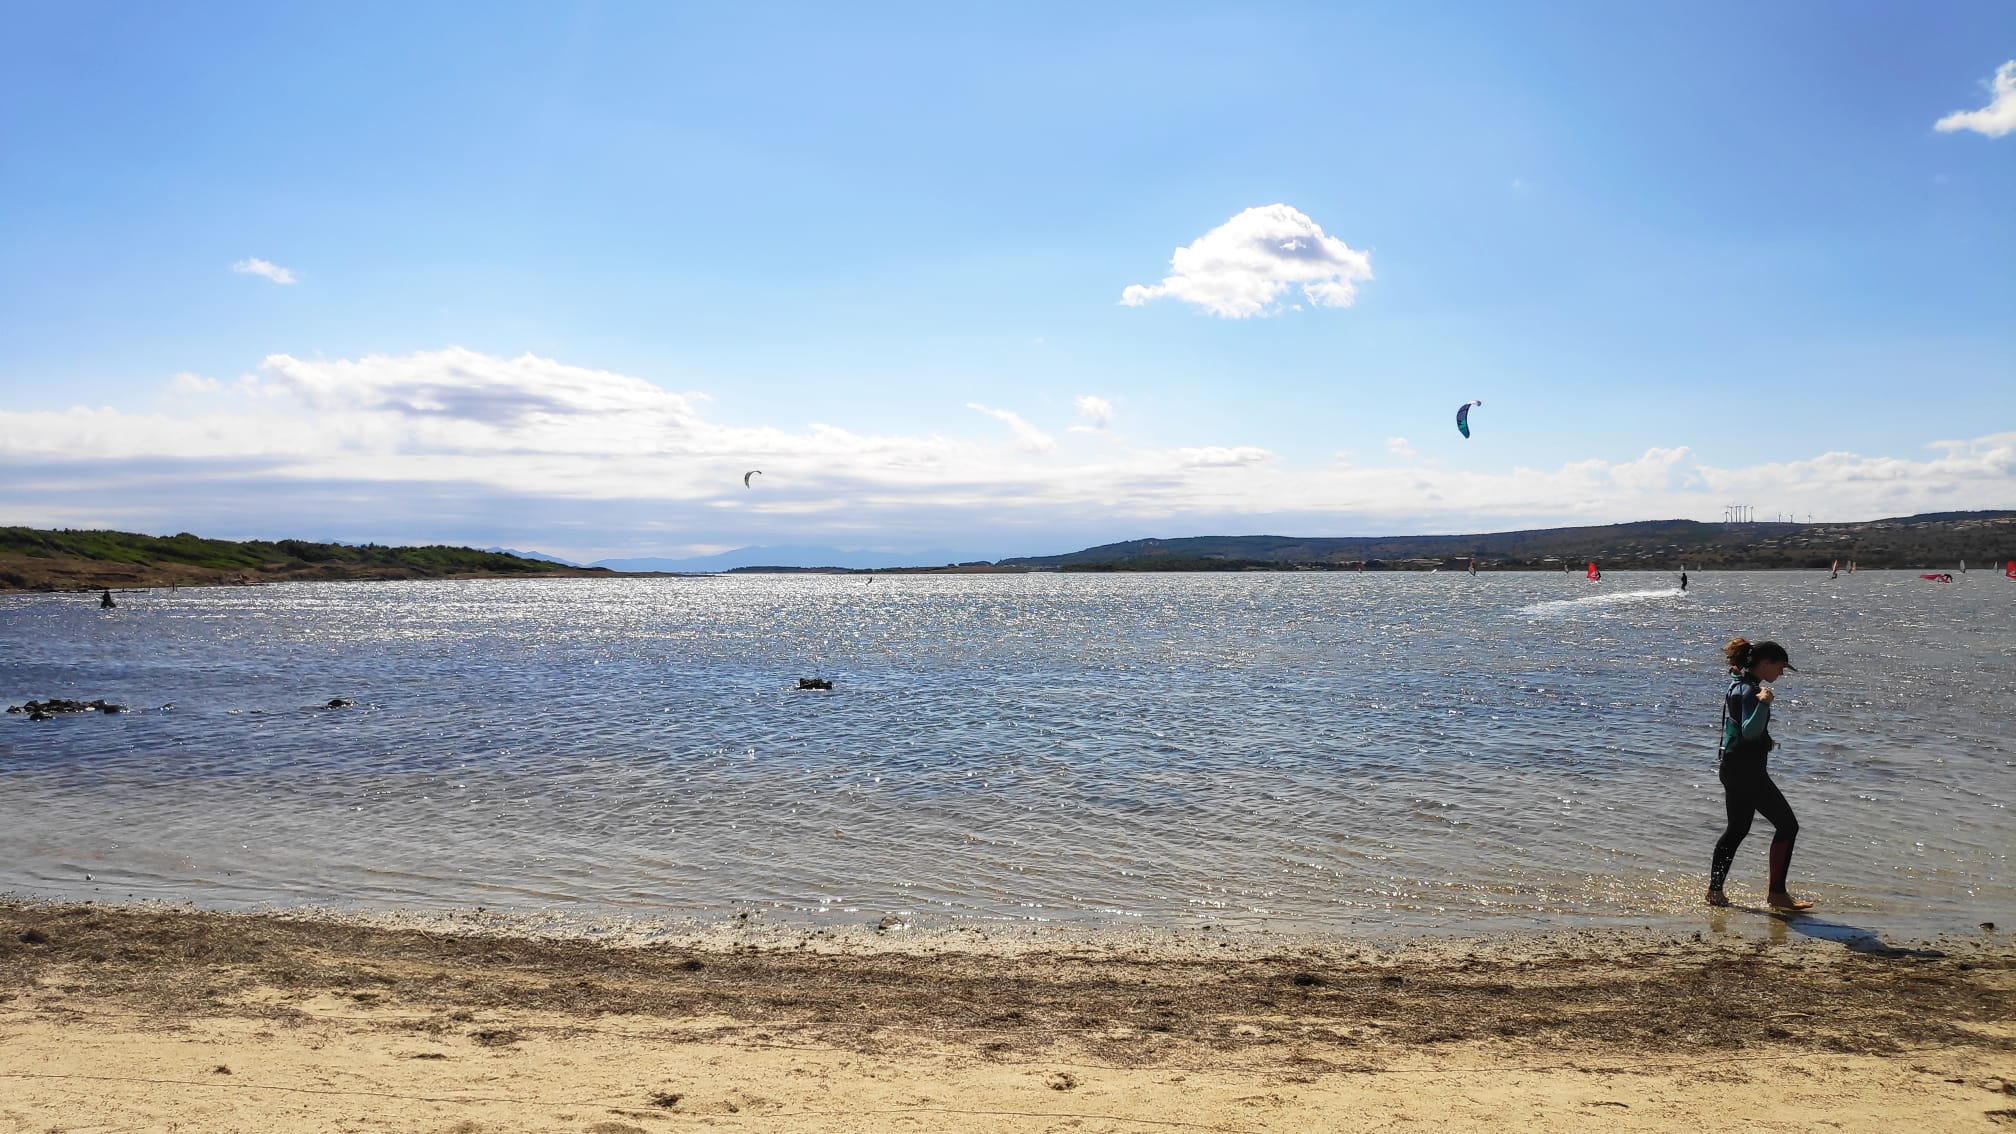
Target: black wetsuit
1746	785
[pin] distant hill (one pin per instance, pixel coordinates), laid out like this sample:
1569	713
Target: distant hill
536	555
32	559
1938	539
790	557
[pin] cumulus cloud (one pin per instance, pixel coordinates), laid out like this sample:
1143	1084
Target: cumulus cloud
1242	267
1097	412
258	267
437	444
1030	437
1400	447
187	383
1995	119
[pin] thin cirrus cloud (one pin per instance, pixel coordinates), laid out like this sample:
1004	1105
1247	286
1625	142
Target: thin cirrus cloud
257	267
416	444
1243	267
1026	435
1995	119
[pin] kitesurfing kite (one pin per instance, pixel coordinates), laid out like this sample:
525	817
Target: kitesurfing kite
1463	417
750	473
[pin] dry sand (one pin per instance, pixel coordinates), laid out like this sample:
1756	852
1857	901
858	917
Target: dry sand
128	1019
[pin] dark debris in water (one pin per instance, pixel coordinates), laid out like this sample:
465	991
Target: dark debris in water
47	710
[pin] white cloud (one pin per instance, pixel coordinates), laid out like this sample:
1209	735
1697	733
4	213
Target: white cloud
1242	267
1030	437
258	267
1221	457
456	437
1995	119
1095	410
187	383
1400	447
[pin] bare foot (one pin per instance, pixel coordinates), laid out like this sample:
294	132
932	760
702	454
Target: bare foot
1717	898
1784	901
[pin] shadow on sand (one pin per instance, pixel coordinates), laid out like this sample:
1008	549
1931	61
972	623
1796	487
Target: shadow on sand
1854	938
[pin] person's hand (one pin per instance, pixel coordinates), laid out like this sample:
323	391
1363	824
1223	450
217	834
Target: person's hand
1764	695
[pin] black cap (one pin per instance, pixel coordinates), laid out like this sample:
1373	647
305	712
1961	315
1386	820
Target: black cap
1771	651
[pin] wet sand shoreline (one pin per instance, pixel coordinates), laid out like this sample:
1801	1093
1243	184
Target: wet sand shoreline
153	1018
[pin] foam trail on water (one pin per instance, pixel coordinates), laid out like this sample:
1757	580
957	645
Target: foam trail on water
1615	598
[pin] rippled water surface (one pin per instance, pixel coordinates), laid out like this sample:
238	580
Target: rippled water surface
1317	752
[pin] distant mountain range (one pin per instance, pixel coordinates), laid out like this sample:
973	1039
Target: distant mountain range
792	556
538	555
1932	540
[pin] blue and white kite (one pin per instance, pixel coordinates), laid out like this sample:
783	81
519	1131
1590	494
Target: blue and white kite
1463	417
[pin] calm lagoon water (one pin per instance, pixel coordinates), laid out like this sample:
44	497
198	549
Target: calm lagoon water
1322	753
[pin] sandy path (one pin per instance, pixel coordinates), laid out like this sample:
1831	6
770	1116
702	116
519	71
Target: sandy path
121	1021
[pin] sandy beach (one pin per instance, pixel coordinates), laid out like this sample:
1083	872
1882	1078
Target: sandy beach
155	1019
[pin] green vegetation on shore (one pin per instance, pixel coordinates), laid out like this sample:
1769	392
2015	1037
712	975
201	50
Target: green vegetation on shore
33	559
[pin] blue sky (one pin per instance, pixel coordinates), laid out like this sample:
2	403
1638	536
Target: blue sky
1686	255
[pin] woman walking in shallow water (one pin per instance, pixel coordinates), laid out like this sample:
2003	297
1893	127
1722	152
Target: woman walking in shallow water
1746	784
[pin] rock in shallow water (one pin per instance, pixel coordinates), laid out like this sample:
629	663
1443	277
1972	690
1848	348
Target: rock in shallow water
44	710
